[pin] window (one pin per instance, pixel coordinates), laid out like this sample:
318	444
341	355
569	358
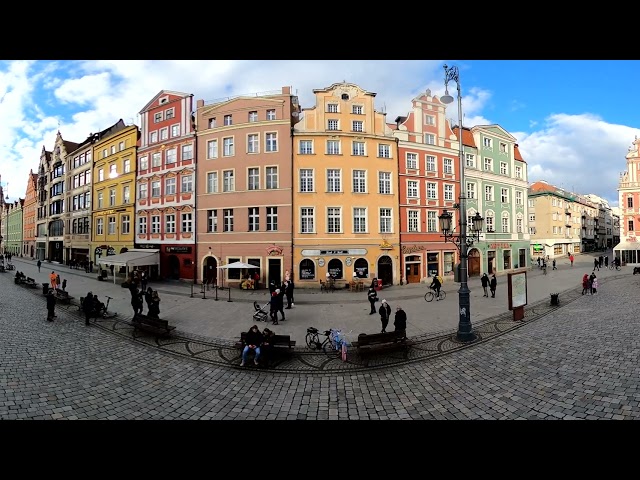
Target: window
227	220
334	220
429	120
431	163
333	180
358	149
113	171
488	193
175	130
169	113
412	189
356	109
532	202
142	191
333	147
554	202
432	221
157	118
272	219
471	191
126	195
228	120
187	152
470	160
519	225
112	197
306	180
156	159
212	221
385	220
332	108
489	221
252	143
306	147
100	226
212	149
253	116
153	137
272	142
144	163
113	149
170	223
227	146
212	182
503	147
164	133
412	220
432	191
448	192
519	198
271	114
486	142
332	124
272	177
412	161
112	225
505	224
171	156
254	219
448	165
306	220
384	150
518	172
629	202
488	164
187	222
187	183
357	126
307	270
359	181
127	166
253	179
100	175
228	184
503	168
384	182
504	195
631	229
359	220
429	139
155	188
532	218
212	122
170	186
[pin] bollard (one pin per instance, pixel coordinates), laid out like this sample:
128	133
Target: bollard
229	295
203	292
191	296
216	299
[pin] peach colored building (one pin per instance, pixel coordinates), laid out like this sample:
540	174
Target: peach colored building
629	203
29	216
243	186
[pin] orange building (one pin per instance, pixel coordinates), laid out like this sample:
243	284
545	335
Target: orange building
29	216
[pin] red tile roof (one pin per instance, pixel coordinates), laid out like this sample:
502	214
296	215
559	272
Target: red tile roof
467	136
517	155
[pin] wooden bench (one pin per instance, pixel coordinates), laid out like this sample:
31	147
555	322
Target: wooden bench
278	341
30	282
63	297
377	342
154	325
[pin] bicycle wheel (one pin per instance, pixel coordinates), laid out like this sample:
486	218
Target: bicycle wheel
312	341
429	296
344	352
443	294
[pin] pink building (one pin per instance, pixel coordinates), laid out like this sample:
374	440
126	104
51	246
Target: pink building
629	203
243	185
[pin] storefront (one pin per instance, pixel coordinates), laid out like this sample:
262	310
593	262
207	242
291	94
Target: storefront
423	261
176	261
498	257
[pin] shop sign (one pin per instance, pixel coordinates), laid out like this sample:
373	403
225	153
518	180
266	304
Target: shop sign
407	249
184	249
499	245
154	246
274	250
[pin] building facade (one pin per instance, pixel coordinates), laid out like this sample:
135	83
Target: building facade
29	212
615	222
14	227
429	182
604	222
346	213
113	190
244	186
42	212
628	248
165	207
496	186
4	227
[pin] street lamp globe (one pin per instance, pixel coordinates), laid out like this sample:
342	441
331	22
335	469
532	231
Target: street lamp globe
446	98
478	222
445	221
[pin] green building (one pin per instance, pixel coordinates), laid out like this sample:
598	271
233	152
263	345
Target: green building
496	186
14	227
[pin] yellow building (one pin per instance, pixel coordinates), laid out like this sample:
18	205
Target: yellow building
114	190
345	186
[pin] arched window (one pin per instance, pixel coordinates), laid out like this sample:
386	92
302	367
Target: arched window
307	270
361	268
335	269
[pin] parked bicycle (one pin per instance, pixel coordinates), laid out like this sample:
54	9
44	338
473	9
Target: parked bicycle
431	294
334	341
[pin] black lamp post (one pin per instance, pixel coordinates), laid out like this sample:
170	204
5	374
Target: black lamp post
461	240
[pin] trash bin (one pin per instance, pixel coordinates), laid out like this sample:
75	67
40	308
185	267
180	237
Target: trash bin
45	288
456	273
555	301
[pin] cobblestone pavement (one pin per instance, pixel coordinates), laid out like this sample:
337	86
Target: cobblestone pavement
579	361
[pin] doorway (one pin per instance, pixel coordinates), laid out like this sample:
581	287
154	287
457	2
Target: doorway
474	262
274	273
385	270
412	273
491	255
174	267
210	273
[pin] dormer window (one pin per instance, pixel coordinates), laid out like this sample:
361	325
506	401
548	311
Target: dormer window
163	100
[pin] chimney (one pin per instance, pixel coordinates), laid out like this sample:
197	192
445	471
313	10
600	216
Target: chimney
286	90
200	103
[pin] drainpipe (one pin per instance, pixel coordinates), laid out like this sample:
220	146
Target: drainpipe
400	254
194	126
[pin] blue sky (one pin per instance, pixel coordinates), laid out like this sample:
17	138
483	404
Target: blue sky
574	120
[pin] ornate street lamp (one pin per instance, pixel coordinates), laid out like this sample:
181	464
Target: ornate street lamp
462	241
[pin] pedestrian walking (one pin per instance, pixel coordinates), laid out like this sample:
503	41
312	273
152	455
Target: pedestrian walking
372	296
288	291
53	279
400	320
485	282
385	313
87	307
39	264
585	284
493	285
143	280
64	285
280	293
91	266
596	265
154	310
51	306
57	279
606	261
553	264
273	308
600	260
594	284
571	259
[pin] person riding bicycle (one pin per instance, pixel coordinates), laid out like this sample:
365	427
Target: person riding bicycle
436	284
617	262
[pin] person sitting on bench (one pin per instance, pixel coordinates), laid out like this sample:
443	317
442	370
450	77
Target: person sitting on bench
252	341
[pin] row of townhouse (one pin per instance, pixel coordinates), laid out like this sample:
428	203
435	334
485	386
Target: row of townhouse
331	189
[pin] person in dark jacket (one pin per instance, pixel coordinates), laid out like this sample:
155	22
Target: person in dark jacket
385	313
400	321
494	284
39	264
273	308
266	348
485	283
280	293
87	308
372	296
252	342
154	308
148	294
288	291
51	305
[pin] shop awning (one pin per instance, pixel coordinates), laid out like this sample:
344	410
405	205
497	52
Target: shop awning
627	245
132	258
